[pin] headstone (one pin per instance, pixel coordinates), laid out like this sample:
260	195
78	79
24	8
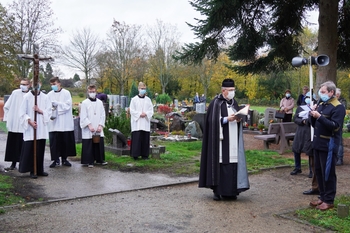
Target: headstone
194	130
77	130
200	107
200	118
123	101
269	115
176	103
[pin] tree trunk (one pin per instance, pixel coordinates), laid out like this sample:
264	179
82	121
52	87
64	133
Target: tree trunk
327	40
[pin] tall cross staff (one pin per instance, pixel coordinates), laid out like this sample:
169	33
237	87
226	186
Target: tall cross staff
35	58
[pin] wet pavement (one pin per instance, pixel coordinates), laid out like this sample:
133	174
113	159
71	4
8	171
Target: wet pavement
80	181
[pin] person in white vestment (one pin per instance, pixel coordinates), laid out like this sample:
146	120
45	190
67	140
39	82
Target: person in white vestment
141	111
92	122
43	113
61	127
15	130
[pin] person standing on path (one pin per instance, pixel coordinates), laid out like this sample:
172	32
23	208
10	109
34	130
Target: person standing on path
141	111
327	119
61	128
27	113
15	130
92	121
341	148
223	164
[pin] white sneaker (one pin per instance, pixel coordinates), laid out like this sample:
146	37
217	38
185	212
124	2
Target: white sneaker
90	165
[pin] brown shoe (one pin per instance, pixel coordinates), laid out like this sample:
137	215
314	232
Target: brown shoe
316	203
324	206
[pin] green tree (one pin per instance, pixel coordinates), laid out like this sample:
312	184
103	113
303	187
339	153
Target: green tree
265	33
76	77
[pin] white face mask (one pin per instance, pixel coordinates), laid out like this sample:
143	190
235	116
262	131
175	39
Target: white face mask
92	95
230	95
24	88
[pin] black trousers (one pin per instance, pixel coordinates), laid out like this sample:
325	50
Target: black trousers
327	188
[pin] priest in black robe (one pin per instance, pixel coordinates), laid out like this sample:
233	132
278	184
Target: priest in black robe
223	164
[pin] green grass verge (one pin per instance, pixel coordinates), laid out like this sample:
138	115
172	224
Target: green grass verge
3	126
328	219
184	159
7	195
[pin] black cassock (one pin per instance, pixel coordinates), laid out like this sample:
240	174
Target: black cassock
226	179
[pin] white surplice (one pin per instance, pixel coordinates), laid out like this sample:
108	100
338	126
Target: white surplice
64	120
91	112
26	112
11	109
137	106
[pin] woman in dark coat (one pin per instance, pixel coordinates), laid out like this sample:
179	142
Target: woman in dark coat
302	139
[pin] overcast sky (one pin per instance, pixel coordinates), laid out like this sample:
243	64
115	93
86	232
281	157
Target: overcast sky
98	15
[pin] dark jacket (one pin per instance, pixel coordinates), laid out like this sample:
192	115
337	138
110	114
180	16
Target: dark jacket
302	140
328	125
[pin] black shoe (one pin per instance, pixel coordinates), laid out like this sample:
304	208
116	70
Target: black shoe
216	197
295	171
311	192
310	175
135	158
339	162
33	176
66	163
145	158
43	174
55	163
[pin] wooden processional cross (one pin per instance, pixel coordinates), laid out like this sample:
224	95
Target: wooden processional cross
35	58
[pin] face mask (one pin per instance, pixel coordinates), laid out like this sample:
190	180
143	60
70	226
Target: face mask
142	92
230	95
287	95
307	100
323	97
24	88
54	87
92	95
39	86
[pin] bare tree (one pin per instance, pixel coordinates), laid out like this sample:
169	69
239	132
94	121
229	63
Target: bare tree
81	53
164	42
34	23
125	51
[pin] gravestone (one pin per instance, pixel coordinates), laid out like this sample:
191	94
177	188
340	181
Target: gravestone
269	115
200	107
77	130
194	129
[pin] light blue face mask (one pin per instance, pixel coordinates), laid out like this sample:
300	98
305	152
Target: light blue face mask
323	97
54	87
307	100
142	92
287	95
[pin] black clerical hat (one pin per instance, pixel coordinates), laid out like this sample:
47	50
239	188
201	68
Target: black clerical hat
228	83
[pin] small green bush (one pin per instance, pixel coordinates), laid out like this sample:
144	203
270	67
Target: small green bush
163	99
120	122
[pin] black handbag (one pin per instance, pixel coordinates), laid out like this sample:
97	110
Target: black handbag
280	114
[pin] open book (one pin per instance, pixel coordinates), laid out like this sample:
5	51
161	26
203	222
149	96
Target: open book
243	112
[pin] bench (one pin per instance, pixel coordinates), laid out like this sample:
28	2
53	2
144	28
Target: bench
288	130
272	136
279	133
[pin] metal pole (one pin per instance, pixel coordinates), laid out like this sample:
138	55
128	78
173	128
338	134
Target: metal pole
311	84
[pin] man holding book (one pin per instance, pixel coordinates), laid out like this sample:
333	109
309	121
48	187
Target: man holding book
223	164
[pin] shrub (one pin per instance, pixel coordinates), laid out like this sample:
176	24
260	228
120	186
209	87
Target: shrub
164	109
120	122
163	99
